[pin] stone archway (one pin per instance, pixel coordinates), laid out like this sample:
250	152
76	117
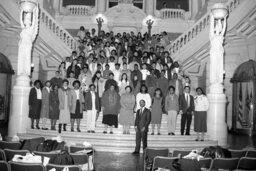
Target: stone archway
125	17
6	73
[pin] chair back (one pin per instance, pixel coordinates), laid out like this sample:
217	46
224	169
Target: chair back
16	166
45	154
80	159
4	166
224	163
163	162
247	163
150	153
237	153
251	153
9	154
10	145
180	153
2	155
61	167
205	163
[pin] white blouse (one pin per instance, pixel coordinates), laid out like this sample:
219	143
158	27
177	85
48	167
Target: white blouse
77	94
38	94
201	103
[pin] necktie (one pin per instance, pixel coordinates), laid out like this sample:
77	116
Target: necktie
141	111
188	100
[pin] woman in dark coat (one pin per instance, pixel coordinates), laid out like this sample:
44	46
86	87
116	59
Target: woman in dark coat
111	107
35	103
54	106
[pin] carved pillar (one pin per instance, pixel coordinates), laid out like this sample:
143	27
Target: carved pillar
101	6
150	7
217	126
18	120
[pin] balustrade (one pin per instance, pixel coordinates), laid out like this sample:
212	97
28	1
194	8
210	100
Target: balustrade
169	13
83	10
196	29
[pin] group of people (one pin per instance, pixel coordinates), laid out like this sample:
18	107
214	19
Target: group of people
119	75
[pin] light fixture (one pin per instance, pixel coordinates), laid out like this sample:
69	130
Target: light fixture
219	11
28	5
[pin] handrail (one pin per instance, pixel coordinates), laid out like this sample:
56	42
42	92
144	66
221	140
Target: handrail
196	29
83	10
171	13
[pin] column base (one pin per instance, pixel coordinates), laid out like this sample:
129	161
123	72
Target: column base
18	119
217	126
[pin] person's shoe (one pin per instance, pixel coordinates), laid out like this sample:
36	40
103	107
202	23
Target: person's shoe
92	131
37	127
169	133
197	139
44	128
173	133
104	132
158	133
136	153
152	133
64	127
202	140
72	129
111	132
182	134
32	127
78	130
187	133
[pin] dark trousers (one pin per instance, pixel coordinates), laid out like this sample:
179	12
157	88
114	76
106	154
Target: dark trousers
141	136
186	120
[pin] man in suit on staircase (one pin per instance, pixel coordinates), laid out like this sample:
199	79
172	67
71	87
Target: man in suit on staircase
187	108
142	121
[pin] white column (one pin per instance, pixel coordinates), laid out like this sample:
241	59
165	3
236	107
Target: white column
18	120
101	6
150	7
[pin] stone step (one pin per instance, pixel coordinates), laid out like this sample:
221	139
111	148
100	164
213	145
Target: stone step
123	143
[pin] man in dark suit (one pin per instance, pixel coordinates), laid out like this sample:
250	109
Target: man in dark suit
142	121
187	107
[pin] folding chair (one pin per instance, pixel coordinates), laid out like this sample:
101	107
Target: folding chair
251	153
205	163
2	155
45	154
247	163
80	159
61	167
237	153
10	145
150	153
163	162
180	153
75	149
224	163
4	166
16	166
9	154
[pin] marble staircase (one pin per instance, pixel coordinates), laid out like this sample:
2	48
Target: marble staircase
118	142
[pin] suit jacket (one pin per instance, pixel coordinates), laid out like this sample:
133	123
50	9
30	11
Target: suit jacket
88	101
72	100
143	120
184	106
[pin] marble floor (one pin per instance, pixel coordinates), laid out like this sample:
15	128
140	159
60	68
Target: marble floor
105	161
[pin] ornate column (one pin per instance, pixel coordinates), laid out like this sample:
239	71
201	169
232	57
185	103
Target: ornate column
18	120
217	127
101	6
150	7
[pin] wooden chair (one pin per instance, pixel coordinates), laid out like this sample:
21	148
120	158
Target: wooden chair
237	153
10	145
2	155
16	166
4	166
80	159
9	154
247	163
151	153
163	162
61	167
205	163
180	153
224	163
251	153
